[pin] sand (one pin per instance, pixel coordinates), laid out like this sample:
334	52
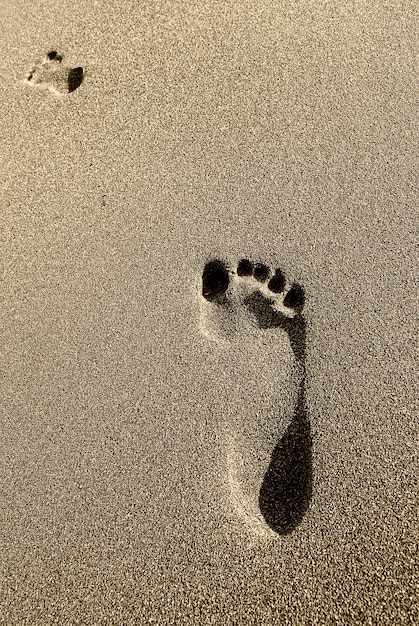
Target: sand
284	133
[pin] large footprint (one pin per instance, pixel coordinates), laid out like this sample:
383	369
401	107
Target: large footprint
255	315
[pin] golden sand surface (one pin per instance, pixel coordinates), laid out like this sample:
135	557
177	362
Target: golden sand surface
283	132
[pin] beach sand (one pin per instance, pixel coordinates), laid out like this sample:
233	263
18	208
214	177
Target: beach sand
275	132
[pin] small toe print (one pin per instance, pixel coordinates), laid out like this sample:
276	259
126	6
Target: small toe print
215	280
245	268
295	298
277	282
261	272
54	56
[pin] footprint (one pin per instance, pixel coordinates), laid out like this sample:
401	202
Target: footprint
255	317
52	74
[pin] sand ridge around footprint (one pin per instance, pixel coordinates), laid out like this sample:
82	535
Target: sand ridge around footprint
52	74
254	315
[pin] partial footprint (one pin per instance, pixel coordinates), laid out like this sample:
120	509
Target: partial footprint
52	74
256	316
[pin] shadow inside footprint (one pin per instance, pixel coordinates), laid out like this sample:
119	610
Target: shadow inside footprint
286	489
267	317
75	78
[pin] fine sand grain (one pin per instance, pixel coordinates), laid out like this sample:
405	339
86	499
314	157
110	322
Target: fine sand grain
178	450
